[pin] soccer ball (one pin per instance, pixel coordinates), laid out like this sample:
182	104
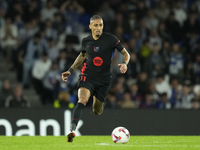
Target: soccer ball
120	135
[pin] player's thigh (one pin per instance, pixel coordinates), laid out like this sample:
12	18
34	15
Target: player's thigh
83	95
97	104
101	92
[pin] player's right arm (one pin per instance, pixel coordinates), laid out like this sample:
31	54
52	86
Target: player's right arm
79	61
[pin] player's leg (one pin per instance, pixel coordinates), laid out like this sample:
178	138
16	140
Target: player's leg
99	97
83	97
97	106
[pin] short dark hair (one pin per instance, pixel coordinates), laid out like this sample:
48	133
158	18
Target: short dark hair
95	17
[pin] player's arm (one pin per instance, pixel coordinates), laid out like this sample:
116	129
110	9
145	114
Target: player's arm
79	61
123	66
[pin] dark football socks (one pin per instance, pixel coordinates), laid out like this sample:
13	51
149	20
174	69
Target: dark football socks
76	115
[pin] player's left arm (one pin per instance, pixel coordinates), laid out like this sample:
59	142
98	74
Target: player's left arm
123	66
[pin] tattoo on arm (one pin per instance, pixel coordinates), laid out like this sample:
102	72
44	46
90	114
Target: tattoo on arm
126	56
79	60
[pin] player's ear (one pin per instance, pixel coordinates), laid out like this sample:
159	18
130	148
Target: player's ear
89	26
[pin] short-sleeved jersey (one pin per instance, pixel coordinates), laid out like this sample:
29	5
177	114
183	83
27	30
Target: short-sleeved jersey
99	55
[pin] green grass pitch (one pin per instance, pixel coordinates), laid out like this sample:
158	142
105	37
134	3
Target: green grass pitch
100	143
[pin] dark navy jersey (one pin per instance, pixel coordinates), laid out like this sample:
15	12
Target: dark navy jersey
99	55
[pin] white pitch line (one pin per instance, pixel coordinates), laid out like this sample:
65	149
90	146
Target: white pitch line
107	144
147	145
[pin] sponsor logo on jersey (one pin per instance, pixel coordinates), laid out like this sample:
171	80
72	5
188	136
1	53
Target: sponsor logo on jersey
97	61
96	49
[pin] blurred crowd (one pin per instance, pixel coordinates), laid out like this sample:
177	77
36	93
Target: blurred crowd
39	39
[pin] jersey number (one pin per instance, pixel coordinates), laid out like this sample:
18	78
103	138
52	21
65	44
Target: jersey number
83	78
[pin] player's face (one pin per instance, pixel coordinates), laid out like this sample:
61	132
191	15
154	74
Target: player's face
96	27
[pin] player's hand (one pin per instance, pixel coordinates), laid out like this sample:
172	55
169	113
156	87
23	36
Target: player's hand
65	75
123	67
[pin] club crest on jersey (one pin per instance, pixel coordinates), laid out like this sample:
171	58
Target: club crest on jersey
96	49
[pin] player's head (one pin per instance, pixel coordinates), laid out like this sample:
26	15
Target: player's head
96	25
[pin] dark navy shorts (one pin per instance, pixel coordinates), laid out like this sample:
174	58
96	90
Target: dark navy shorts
99	89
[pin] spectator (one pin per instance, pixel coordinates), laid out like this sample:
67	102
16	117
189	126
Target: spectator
154	63
72	53
151	20
5	92
193	8
140	10
173	27
162	86
176	62
142	82
196	70
195	103
63	101
185	100
131	23
26	33
145	51
191	24
126	101
111	101
196	51
31	11
144	31
164	103
49	31
135	66
180	14
72	12
148	102
4	5
18	22
62	61
51	84
163	33
196	90
136	97
17	100
107	14
40	68
176	91
155	38
58	23
52	50
34	51
118	90
48	11
8	36
137	36
2	19
117	22
162	10
152	89
119	32
165	54
132	46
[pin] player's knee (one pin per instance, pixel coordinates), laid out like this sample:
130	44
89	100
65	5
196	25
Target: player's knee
97	112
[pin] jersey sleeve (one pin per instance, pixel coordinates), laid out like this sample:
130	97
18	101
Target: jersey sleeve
83	46
117	44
